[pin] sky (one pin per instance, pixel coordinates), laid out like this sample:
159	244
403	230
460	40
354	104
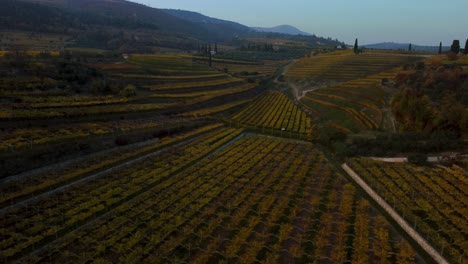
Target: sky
423	22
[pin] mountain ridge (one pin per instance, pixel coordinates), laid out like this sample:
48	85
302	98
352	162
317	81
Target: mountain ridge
284	29
127	27
404	46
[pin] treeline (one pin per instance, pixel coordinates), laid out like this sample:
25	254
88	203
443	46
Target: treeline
432	99
258	47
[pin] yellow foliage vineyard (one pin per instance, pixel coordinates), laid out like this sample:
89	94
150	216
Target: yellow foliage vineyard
346	66
254	199
274	110
433	200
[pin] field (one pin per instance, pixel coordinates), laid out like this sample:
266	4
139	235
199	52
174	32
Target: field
169	89
433	200
17	40
179	162
354	105
346	66
348	92
274	110
214	215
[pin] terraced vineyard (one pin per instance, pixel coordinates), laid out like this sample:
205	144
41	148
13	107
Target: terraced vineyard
346	66
353	105
250	70
169	90
433	200
177	77
17	139
274	110
228	206
346	90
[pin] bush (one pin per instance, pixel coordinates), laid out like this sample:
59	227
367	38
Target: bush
452	56
419	159
128	91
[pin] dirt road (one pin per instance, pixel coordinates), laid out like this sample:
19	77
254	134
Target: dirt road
396	217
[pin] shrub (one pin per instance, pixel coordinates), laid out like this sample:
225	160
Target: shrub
128	91
419	159
452	56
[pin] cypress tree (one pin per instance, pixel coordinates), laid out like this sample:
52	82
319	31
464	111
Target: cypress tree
409	47
216	47
455	48
440	48
466	47
209	53
356	47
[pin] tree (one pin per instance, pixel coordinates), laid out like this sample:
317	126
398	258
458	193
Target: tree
455	48
356	47
466	47
440	48
216	47
209	53
409	48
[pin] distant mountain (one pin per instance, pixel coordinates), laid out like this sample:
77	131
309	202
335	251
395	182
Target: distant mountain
224	27
131	27
116	13
283	29
59	15
404	46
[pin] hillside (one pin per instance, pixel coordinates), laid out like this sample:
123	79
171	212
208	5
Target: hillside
221	27
116	25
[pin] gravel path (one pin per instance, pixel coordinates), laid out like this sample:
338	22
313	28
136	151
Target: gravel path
398	219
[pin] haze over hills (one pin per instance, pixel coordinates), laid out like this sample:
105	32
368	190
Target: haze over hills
124	25
283	29
218	25
404	46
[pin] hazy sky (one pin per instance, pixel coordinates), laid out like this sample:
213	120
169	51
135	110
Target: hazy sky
424	22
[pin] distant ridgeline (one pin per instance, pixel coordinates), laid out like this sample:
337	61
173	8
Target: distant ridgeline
121	25
404	46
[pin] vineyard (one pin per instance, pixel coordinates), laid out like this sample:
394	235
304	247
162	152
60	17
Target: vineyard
274	110
433	200
346	66
167	90
163	159
347	91
256	199
177	77
353	105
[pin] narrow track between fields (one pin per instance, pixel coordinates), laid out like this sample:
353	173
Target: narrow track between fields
438	258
